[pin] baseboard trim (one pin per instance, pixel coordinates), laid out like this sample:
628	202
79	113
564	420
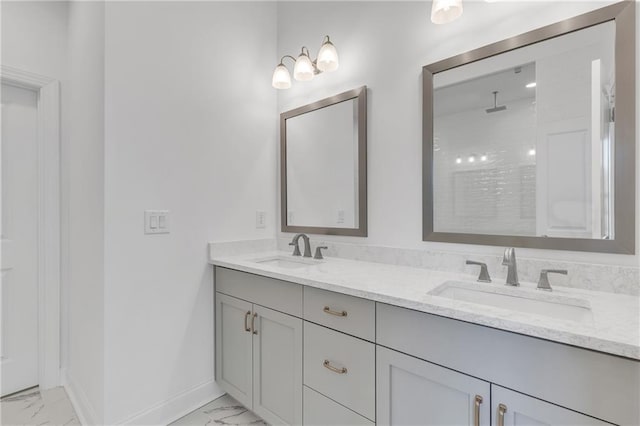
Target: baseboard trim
81	404
170	410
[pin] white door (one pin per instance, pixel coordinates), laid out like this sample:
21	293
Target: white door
413	392
19	233
234	353
515	409
277	367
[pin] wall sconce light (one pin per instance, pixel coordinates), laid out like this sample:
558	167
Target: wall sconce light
445	11
304	68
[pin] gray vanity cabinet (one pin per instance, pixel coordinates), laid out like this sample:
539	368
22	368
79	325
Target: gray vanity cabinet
573	380
277	367
234	347
411	391
511	408
259	349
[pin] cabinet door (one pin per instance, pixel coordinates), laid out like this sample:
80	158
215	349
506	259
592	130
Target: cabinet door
234	347
277	367
415	392
515	409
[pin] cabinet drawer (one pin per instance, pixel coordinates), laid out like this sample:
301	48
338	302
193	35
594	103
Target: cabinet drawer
322	411
280	295
341	367
349	314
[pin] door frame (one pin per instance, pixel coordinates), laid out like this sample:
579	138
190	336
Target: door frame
49	325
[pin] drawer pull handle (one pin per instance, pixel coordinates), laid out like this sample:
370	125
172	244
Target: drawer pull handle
253	324
246	319
476	410
329	311
328	365
501	410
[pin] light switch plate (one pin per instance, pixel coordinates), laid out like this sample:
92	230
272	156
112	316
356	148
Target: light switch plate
156	221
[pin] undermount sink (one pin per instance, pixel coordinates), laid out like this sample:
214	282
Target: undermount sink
287	262
516	299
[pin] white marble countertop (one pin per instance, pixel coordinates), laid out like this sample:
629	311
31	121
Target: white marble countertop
614	327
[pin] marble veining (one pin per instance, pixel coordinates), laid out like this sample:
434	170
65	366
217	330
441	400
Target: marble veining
615	327
35	407
224	411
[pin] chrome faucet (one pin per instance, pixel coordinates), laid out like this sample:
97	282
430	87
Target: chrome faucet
307	246
509	260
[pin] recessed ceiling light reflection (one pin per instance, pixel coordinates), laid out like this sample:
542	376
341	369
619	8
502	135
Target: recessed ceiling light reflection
531	85
472	158
483	157
458	160
532	152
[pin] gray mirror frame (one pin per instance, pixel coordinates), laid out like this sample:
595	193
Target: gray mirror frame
624	186
360	94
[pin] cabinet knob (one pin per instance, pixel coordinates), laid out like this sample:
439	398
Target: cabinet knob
330	311
327	364
246	320
476	410
501	410
253	323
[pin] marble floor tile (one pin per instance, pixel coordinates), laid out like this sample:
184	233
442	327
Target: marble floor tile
222	411
35	407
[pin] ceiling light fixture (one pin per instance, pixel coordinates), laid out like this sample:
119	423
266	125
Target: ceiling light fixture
304	68
445	11
531	85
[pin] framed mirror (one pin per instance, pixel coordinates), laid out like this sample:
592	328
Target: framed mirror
530	142
323	160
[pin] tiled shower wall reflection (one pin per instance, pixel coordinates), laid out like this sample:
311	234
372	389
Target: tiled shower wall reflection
484	171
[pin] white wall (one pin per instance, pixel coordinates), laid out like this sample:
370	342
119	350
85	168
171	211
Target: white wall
384	45
190	127
83	173
34	37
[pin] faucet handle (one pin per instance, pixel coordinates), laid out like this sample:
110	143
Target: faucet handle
318	254
484	272
296	250
543	282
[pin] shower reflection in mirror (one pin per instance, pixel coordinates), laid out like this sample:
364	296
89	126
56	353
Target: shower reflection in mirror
522	144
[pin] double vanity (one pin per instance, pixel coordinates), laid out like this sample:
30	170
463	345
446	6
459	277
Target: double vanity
344	342
302	339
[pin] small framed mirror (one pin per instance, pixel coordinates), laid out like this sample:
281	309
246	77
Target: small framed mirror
530	142
323	160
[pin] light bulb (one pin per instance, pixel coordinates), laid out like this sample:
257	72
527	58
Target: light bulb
483	157
531	85
532	152
458	160
472	158
445	11
303	70
281	77
327	57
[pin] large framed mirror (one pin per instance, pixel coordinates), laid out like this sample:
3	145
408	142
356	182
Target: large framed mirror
530	142
323	160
